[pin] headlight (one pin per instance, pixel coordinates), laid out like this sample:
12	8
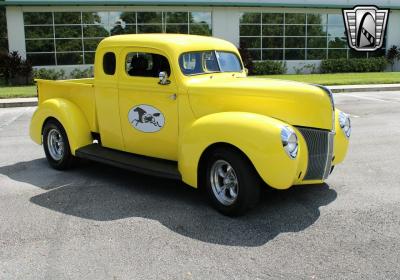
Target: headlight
345	124
289	141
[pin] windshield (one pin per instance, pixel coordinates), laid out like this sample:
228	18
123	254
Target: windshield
203	62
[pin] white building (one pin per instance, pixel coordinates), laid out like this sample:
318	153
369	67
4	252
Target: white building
65	33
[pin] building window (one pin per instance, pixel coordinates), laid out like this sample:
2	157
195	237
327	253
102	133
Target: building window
3	31
62	38
296	36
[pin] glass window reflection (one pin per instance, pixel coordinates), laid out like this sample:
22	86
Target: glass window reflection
297	36
250	18
200	17
43	32
272	18
335	19
95	18
149	17
38	18
67	18
40	46
3	31
55	34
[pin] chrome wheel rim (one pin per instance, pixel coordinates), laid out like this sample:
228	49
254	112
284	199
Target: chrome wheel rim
224	182
55	144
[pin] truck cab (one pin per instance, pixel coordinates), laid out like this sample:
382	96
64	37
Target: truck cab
182	107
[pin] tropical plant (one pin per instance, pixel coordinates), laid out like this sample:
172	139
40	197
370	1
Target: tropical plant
247	59
393	55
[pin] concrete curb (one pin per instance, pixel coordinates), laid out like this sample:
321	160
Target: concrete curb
29	102
18	102
364	88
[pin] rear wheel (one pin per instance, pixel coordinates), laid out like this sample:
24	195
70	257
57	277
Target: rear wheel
56	146
232	184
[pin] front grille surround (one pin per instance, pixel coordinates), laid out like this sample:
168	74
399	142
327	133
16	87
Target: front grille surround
320	152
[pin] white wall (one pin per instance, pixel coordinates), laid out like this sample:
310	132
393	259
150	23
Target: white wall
225	24
299	65
16	32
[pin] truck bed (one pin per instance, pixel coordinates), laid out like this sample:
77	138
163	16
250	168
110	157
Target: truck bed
78	91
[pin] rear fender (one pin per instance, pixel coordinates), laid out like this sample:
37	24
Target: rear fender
257	136
69	115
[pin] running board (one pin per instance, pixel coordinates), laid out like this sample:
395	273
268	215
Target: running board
142	164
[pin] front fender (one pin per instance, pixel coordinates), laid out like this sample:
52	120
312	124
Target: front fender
69	115
257	136
341	143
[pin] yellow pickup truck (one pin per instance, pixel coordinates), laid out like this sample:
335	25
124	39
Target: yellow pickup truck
182	107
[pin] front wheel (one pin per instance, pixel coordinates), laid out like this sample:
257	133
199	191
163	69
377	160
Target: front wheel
232	184
56	146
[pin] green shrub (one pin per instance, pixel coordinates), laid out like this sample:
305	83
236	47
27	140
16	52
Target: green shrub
343	65
14	69
53	74
49	74
79	74
269	67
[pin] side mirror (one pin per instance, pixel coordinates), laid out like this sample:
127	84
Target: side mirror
246	71
163	76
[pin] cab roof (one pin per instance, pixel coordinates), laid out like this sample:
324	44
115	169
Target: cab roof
175	43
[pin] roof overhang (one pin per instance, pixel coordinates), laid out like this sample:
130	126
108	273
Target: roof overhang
337	4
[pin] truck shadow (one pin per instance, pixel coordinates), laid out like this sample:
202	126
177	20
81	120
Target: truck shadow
102	193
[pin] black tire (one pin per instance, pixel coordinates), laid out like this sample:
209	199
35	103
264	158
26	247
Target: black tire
248	190
66	159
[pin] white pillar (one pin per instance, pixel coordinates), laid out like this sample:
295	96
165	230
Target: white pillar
15	30
225	24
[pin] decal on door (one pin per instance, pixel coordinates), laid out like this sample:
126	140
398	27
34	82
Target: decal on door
146	118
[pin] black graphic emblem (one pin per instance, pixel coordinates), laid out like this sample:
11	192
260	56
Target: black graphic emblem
146	118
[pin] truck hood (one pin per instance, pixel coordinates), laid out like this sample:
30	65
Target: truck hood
295	103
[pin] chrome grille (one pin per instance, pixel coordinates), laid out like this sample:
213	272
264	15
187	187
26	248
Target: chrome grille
320	151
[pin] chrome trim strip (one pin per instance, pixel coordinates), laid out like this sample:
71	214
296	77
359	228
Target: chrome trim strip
331	135
328	164
329	93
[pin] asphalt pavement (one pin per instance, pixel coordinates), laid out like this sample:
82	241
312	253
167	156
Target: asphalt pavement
99	222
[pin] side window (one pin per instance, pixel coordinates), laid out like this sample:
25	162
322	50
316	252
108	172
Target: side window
109	63
146	64
210	62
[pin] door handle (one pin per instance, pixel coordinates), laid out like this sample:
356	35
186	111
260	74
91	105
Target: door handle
172	96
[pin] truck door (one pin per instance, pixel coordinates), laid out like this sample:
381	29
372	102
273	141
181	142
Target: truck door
107	106
148	109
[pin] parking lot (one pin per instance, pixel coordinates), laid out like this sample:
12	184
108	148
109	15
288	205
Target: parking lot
99	222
